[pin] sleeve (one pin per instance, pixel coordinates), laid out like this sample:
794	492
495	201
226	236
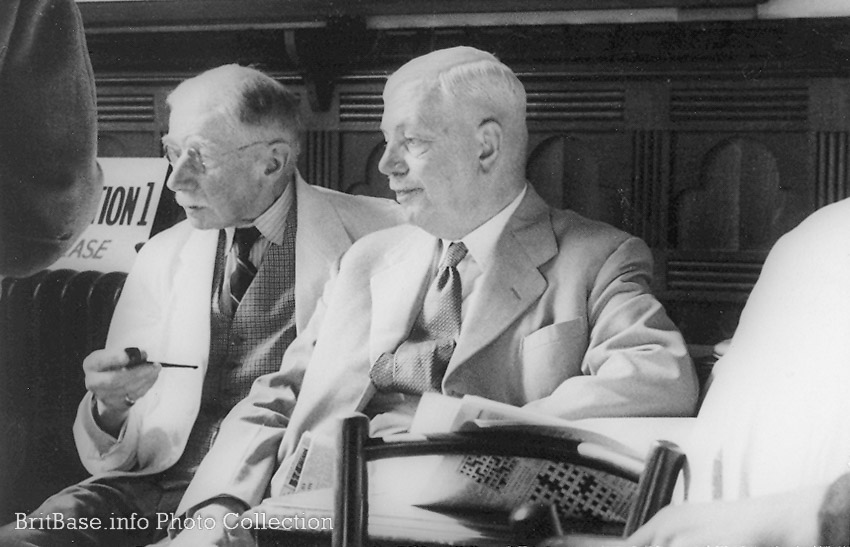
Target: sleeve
50	182
636	362
137	321
784	371
97	442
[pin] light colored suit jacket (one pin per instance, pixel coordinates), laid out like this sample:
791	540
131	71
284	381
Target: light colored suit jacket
565	325
165	309
775	415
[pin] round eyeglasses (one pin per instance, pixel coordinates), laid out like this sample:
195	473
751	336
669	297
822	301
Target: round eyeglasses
195	158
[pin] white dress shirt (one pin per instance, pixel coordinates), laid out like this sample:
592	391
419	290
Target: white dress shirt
480	243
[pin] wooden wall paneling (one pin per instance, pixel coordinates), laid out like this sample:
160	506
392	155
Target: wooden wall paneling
588	172
830	125
650	185
742	148
561	102
742	176
361	141
131	120
744	101
320	163
700	275
734	195
738	191
647	118
704	321
576	144
832	152
361	152
829	105
361	106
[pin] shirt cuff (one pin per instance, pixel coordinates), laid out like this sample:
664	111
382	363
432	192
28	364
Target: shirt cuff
102	440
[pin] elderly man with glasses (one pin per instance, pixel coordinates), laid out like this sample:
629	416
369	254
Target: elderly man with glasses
226	292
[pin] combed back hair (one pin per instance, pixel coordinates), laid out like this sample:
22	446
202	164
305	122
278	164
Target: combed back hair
245	96
492	83
486	82
469	77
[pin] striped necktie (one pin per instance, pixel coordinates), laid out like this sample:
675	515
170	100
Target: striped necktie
243	270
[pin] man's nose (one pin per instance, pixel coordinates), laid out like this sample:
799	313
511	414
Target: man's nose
181	177
392	162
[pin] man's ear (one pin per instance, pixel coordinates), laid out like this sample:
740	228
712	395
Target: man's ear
278	158
272	165
489	136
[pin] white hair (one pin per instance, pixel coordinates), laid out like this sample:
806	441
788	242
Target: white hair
468	77
247	99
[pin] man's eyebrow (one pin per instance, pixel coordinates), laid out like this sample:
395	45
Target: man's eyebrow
195	141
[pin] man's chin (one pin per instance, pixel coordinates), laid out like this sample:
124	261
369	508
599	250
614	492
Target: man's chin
199	220
200	224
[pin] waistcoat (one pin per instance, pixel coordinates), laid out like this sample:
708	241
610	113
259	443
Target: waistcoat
249	345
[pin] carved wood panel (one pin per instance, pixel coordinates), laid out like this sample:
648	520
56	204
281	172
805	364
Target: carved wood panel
131	120
650	184
736	199
320	161
833	179
585	172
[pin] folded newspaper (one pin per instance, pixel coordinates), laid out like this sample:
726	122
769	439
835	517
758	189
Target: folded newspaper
493	482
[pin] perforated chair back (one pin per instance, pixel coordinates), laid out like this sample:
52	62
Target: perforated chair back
655	479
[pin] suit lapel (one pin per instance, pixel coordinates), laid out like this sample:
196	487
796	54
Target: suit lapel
397	291
189	322
320	239
512	282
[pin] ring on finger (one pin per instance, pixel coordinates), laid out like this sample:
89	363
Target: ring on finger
129	400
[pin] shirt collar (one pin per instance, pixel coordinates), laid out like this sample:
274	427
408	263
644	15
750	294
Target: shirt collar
481	242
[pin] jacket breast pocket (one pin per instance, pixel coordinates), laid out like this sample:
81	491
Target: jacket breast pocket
551	355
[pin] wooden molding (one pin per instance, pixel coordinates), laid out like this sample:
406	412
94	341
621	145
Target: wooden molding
734	50
713	271
209	14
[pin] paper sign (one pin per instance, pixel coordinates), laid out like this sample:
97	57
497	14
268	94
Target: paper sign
131	191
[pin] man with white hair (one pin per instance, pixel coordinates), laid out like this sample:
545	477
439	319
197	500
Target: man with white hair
225	292
488	291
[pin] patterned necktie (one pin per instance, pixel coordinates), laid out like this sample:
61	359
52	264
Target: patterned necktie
441	309
243	270
418	365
